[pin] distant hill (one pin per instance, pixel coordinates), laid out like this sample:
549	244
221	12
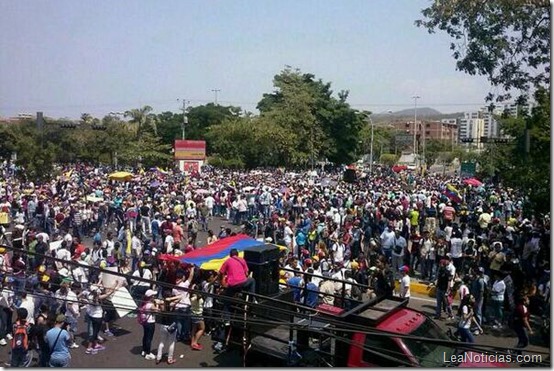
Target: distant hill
422	113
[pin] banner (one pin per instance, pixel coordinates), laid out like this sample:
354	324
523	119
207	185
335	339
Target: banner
190	150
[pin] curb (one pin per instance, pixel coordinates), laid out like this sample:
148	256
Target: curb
419	288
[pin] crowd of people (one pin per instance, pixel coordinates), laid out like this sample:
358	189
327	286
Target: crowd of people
345	243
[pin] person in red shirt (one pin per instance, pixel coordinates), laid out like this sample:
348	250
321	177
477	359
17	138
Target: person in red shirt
521	322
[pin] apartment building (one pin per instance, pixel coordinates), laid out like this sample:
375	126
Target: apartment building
472	125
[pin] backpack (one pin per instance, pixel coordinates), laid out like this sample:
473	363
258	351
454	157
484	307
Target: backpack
20	339
142	317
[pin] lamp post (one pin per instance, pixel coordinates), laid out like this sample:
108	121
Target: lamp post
371	148
185	118
415	98
371	141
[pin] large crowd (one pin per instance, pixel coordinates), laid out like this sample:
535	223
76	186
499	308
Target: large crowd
472	244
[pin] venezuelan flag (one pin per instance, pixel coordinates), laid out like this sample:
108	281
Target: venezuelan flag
452	193
159	169
211	257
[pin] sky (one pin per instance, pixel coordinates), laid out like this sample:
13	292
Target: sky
66	58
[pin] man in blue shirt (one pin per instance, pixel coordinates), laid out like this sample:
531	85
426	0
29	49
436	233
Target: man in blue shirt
311	291
58	340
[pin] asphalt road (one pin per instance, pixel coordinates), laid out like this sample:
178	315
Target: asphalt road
123	350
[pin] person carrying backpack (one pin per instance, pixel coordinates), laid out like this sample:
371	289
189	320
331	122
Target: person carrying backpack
20	341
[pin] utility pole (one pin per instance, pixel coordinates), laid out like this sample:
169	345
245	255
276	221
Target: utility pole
415	98
215	92
371	148
185	118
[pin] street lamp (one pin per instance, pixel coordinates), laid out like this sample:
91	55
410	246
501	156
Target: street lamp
371	142
415	98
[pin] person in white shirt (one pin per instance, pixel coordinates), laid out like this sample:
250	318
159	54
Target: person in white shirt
288	237
405	283
497	301
79	273
338	250
28	303
168	244
136	249
210	202
138	288
456	249
63	254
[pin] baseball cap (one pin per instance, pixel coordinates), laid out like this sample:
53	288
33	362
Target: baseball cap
404	269
150	293
60	318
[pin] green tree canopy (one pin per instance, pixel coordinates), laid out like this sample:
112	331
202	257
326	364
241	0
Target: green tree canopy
508	41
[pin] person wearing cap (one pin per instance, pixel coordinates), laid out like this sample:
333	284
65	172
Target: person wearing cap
59	341
149	306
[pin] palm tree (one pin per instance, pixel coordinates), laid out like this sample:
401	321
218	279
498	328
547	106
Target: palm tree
141	118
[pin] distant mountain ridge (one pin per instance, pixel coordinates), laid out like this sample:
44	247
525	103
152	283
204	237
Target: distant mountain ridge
422	113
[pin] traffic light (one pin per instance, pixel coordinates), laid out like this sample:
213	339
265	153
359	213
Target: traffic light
99	127
68	125
484	139
466	140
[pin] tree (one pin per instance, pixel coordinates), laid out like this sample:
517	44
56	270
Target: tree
433	149
509	42
506	40
147	150
201	118
141	119
326	127
170	127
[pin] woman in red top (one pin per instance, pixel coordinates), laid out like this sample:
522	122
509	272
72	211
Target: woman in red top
521	322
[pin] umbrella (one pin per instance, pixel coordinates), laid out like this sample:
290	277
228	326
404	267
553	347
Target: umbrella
121	176
93	198
473	182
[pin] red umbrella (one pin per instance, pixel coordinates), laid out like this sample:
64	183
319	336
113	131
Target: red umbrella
399	168
473	182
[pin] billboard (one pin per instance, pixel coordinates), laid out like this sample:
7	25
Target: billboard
190	150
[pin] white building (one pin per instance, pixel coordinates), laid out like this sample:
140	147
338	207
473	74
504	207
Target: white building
472	125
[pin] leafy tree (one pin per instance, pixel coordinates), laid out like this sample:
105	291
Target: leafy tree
170	127
201	118
325	126
141	119
389	159
433	148
509	42
147	150
506	40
